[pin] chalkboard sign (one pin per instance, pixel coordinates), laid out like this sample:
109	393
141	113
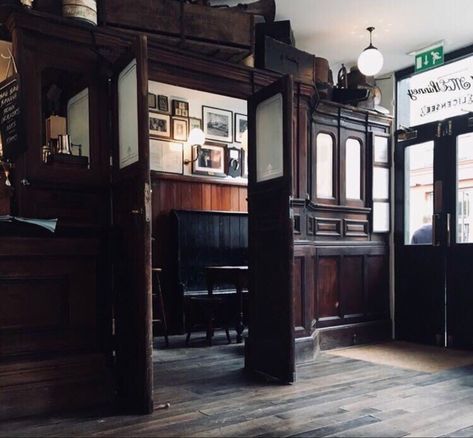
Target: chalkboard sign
10	118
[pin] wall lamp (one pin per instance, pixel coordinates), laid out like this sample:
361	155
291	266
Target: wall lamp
196	138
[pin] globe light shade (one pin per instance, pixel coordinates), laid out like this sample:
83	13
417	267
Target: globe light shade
370	61
196	136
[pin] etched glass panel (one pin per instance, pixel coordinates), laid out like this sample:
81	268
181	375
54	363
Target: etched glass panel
269	139
353	169
128	115
325	165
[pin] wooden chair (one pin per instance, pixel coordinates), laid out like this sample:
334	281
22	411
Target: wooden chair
211	310
159	311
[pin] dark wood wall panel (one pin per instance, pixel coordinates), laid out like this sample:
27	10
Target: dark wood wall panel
184	195
328	279
33	303
51	329
337	285
352	286
377	287
298	288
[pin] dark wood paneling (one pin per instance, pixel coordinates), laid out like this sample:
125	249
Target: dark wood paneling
33	303
328	293
352	286
50	312
355	228
377	285
328	227
299	291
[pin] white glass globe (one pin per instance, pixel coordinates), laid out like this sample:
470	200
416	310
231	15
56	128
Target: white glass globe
370	61
196	136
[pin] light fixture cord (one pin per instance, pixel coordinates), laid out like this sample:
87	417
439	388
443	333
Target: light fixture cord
370	30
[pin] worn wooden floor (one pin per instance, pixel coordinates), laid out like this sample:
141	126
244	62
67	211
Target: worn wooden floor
336	396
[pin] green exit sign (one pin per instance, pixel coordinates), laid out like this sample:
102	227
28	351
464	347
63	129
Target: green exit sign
429	58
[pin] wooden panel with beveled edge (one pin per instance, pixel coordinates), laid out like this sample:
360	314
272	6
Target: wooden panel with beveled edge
328	287
355	228
328	227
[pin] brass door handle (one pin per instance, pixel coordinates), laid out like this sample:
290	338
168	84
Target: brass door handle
449	234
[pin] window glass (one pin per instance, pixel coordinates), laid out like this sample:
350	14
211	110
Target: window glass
324	171
419	187
464	187
353	169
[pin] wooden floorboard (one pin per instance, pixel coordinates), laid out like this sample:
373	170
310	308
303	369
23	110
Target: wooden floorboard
210	395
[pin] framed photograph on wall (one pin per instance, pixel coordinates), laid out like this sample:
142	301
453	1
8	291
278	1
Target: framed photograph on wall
180	129
159	125
163	103
180	108
234	162
194	123
166	156
152	101
218	124
241	127
208	159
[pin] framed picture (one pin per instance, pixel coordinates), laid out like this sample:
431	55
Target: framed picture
208	159
152	101
163	103
180	130
234	162
217	124
194	123
180	108
241	127
166	156
159	125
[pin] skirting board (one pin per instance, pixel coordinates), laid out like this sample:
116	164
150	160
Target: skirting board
328	338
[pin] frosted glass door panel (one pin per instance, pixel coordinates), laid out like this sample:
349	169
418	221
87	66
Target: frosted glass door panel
325	165
353	169
78	123
128	116
269	139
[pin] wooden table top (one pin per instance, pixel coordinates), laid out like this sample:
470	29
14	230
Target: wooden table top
224	268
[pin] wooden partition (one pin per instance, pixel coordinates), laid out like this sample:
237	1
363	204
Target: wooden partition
341	260
52	333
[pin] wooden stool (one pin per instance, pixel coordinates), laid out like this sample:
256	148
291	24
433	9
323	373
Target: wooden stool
208	307
159	312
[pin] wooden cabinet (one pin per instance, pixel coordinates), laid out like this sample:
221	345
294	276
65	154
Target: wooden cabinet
65	87
341	264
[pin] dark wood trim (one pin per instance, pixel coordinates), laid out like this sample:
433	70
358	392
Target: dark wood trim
156	176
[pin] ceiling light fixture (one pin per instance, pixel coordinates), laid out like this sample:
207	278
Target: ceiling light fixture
370	60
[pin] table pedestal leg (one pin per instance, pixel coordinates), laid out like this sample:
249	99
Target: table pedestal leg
239	324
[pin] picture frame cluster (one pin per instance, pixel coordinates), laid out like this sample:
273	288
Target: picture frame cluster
169	127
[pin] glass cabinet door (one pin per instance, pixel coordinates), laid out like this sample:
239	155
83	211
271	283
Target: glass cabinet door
353	169
325	165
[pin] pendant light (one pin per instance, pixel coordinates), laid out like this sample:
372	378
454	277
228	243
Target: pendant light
370	60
